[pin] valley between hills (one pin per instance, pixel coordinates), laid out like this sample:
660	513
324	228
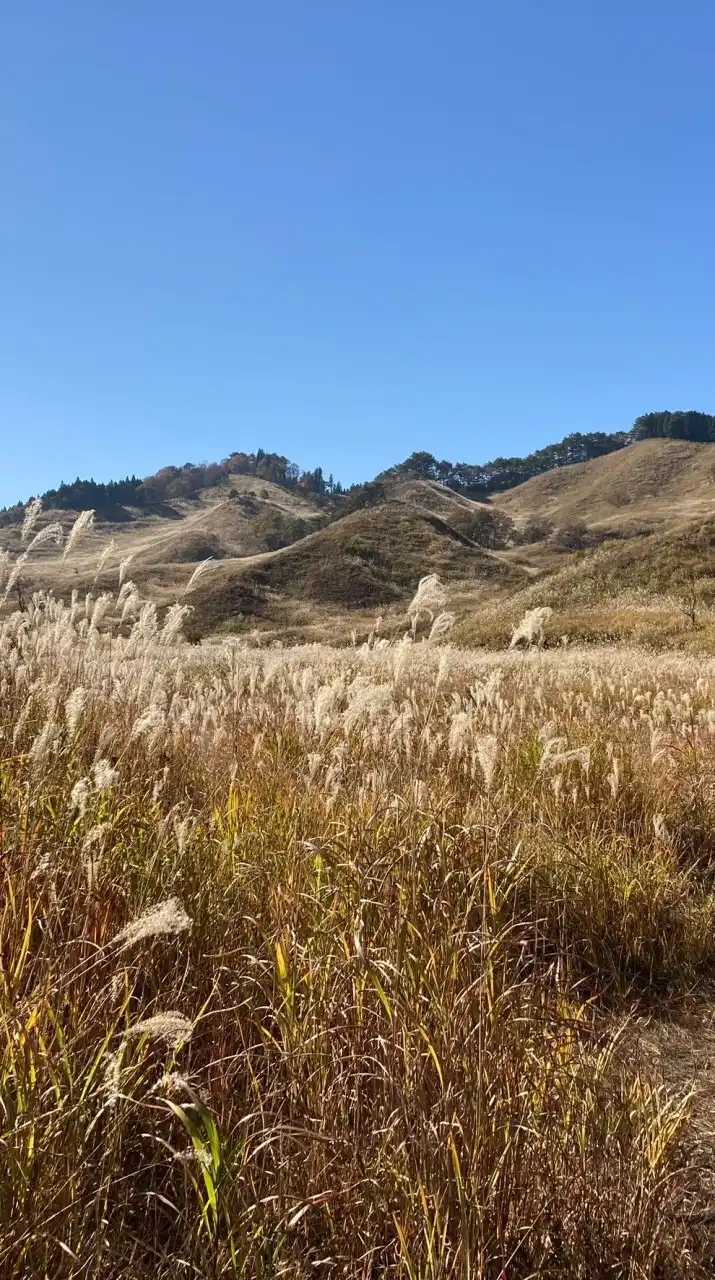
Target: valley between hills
620	547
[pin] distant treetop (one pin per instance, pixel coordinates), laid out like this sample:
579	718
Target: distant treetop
682	425
504	473
111	500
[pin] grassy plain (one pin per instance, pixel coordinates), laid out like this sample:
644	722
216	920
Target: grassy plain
388	960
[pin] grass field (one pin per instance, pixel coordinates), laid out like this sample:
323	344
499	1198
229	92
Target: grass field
377	961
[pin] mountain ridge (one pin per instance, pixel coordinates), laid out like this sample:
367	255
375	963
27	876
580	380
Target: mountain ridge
291	563
478	480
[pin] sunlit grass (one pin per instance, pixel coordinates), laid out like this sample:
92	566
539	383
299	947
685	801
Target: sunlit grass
321	962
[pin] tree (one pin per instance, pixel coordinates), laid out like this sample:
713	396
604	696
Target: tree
680	425
571	537
490	528
536	529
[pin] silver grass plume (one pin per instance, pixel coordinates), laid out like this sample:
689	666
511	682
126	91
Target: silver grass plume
531	627
74	706
113	1079
32	512
165	918
128	599
104	775
199	572
123	566
487	748
430	598
173	622
50	533
14	575
79	797
124	591
459	731
106	553
5	561
442	625
171	1027
84	521
100	608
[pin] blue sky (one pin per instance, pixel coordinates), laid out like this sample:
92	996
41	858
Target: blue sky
346	230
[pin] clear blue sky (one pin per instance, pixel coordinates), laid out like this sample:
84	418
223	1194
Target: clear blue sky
347	229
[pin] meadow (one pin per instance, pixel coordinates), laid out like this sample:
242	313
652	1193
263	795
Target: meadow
363	962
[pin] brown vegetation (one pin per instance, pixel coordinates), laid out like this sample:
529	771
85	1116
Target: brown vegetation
321	961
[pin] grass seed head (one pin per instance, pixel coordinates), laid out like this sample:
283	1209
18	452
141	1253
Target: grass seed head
164	919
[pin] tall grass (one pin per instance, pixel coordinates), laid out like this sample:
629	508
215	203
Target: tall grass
317	962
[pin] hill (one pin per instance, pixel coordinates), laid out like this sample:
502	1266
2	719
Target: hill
243	518
649	484
657	589
369	561
296	556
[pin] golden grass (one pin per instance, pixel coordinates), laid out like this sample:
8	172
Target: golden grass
319	962
656	482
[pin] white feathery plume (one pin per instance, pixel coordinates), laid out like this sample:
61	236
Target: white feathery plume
50	533
14	575
4	565
106	553
84	521
74	706
80	796
442	625
430	598
552	757
487	748
100	608
104	775
130	599
44	743
152	717
531	627
459	731
165	918
199	572
171	1027
32	512
123	566
113	1079
124	591
173	621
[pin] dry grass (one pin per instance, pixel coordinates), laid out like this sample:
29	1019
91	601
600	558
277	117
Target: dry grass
318	961
657	482
368	560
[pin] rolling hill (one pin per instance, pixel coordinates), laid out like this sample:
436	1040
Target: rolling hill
367	561
291	563
646	485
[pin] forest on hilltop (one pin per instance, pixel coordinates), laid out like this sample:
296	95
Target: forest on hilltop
112	499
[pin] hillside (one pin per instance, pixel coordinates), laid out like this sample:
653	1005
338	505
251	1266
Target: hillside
248	517
291	562
370	560
648	484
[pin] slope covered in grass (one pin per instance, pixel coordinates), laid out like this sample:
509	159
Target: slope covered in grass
652	482
369	560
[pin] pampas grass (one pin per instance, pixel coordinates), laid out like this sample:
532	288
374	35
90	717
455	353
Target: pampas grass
166	918
429	599
32	514
104	557
123	566
197	574
50	533
531	627
403	911
82	525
